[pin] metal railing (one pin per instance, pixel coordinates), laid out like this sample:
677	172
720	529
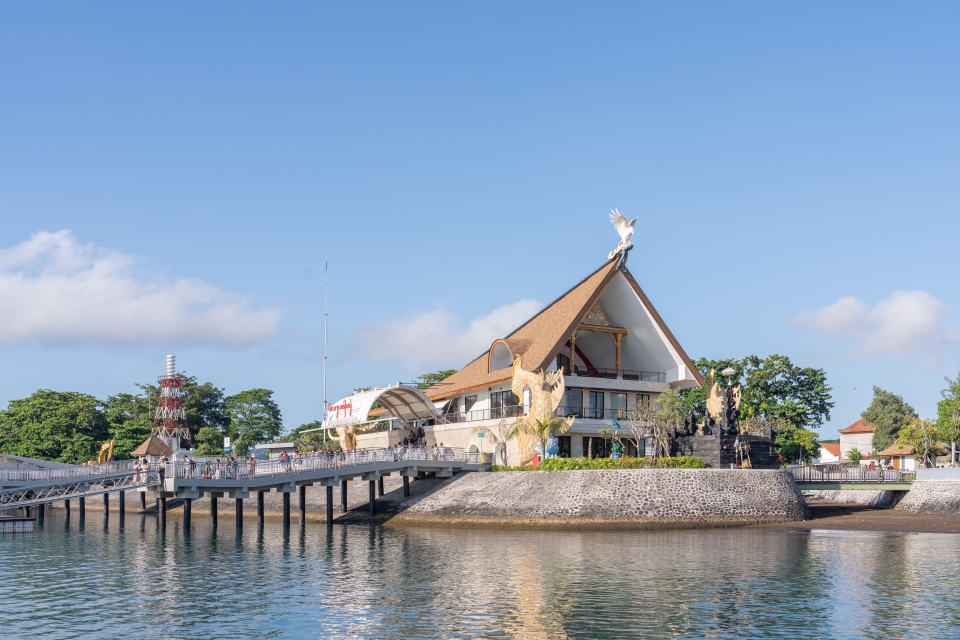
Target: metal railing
626	374
250	469
496	413
67	473
66	488
842	473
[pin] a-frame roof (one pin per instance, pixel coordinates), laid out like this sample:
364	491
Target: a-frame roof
540	338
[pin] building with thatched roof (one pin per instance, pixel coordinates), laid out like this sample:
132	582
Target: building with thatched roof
153	446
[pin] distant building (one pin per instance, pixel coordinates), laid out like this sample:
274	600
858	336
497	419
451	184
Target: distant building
830	452
900	457
857	436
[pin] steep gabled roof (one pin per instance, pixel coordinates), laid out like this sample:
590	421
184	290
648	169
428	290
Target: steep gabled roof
540	338
832	447
859	427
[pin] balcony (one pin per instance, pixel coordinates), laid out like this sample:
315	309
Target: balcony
593	413
626	374
495	413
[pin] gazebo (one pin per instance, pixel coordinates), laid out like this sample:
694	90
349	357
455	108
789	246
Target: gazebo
153	446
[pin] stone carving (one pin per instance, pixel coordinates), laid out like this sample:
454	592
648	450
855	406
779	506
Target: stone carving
625	229
596	317
546	393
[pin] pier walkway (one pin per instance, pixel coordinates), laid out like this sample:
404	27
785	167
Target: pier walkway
835	477
25	488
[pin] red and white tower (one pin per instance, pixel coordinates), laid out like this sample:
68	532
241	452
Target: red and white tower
170	421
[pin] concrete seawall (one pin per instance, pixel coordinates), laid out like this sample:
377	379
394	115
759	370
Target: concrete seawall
878	499
610	499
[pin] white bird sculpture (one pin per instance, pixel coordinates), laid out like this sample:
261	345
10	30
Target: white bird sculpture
625	229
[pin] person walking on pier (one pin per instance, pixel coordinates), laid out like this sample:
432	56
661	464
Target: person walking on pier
253	467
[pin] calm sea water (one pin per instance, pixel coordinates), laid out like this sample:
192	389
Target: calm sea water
374	582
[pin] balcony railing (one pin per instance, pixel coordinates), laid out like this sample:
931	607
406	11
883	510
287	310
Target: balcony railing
485	414
626	374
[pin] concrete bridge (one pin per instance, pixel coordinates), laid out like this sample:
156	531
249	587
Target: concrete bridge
193	479
834	477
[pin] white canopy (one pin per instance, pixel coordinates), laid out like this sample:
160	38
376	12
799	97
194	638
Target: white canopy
407	404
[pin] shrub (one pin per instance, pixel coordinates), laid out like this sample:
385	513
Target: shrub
585	464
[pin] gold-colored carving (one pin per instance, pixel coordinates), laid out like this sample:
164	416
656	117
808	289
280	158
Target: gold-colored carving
715	397
348	437
596	317
546	393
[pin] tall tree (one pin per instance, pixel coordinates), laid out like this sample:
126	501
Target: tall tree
53	425
948	416
888	414
254	417
427	380
924	436
130	418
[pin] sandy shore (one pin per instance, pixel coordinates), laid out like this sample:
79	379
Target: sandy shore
855	517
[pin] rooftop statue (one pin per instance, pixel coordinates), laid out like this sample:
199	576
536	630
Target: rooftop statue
625	229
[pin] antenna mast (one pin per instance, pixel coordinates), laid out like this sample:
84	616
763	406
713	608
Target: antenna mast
325	313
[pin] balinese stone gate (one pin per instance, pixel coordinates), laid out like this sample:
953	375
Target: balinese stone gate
612	499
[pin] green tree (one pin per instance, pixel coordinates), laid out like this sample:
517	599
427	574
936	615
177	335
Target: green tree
311	439
208	441
948	415
130	419
203	403
254	417
427	380
855	456
795	444
924	436
888	414
772	387
54	425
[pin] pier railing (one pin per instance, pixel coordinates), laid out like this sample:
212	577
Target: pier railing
249	469
116	467
841	473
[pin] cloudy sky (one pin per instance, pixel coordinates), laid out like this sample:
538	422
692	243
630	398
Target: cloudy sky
174	177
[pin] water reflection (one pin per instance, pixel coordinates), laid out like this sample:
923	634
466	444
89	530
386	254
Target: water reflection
349	582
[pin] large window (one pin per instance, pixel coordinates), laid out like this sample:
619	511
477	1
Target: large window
564	445
563	363
503	404
595	408
618	405
574	405
468	403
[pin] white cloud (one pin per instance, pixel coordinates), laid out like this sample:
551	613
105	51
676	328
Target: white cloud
438	338
907	323
53	289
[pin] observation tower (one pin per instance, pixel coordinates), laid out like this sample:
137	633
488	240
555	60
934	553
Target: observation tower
170	421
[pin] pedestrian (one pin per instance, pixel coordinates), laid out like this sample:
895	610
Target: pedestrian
253	467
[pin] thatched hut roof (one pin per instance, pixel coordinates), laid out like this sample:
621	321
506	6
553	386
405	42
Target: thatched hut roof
152	446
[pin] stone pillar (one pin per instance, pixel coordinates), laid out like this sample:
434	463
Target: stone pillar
303	504
343	496
260	509
286	510
329	505
373	498
213	511
239	513
187	513
406	486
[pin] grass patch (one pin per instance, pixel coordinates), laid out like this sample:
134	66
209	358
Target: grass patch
587	464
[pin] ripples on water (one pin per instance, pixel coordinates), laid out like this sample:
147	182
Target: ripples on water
360	582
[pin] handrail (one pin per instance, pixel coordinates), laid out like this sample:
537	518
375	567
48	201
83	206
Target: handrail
838	473
66	473
250	469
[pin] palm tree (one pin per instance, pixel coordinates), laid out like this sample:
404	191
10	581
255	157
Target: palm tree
541	430
500	435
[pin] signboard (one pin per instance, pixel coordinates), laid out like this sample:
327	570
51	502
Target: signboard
481	434
226	442
350	410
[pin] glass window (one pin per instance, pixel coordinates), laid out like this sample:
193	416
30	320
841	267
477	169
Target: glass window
618	405
574	403
504	404
563	363
596	405
643	397
468	402
564	444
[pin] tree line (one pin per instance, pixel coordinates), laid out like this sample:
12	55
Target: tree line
68	426
896	422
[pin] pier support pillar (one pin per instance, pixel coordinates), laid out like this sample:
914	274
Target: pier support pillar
187	512
343	496
286	510
303	505
162	511
123	498
329	506
66	507
380	487
143	501
40	513
406	486
239	513
373	497
83	508
213	511
26	512
260	509
106	505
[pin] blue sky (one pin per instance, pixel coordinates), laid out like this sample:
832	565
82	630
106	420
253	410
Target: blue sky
173	177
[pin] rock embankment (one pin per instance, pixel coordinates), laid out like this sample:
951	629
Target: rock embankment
933	497
610	499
